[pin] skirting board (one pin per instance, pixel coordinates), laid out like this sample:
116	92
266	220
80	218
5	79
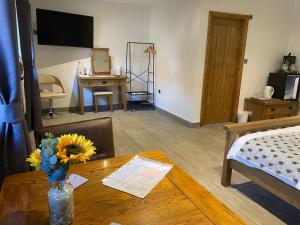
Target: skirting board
116	106
186	123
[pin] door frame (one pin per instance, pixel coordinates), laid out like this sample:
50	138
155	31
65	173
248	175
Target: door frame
233	16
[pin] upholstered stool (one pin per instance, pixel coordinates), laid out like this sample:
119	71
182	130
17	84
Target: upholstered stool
107	94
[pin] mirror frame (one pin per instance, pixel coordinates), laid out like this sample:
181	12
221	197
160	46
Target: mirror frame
94	62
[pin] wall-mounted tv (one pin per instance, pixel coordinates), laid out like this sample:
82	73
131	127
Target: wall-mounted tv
64	29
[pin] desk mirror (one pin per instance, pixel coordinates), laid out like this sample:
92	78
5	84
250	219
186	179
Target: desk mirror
101	61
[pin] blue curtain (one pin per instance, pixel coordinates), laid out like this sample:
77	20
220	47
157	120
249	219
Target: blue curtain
14	139
32	93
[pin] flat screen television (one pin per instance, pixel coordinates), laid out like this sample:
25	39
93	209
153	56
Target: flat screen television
64	29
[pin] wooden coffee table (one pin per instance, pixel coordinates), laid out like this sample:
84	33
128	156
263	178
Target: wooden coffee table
177	199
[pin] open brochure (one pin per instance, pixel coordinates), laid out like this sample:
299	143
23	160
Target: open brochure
138	177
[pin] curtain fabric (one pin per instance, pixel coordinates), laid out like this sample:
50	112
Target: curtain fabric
14	139
31	85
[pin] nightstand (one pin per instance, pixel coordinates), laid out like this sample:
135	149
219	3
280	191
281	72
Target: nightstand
270	109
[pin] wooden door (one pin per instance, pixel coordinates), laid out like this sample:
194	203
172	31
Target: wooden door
225	48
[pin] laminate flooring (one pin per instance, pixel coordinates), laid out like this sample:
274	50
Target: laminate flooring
199	151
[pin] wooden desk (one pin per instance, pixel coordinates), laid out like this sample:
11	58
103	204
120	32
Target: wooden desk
102	81
177	199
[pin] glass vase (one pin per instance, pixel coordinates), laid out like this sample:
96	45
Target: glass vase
60	203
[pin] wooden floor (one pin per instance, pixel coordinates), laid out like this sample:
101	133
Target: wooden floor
199	151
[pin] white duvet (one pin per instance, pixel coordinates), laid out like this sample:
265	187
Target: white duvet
276	152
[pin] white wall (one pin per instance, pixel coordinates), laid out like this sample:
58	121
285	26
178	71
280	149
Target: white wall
179	29
175	28
294	45
114	25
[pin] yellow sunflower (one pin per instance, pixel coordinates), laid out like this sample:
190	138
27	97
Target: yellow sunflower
74	148
35	158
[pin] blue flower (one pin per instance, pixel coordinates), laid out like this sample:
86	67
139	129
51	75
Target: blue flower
58	174
45	166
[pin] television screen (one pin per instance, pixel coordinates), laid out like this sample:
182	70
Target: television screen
64	29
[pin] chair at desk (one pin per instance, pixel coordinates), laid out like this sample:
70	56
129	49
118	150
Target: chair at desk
49	95
107	94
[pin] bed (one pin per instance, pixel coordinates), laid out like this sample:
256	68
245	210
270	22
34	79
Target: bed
267	153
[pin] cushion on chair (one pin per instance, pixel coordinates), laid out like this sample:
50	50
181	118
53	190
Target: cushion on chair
99	131
102	93
52	95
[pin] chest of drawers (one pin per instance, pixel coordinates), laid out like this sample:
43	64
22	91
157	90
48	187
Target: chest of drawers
270	109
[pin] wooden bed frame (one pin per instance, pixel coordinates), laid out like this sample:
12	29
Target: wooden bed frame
268	182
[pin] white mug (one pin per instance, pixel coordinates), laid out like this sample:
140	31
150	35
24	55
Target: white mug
268	92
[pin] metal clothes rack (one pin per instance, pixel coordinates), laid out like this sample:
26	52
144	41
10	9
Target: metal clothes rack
147	77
